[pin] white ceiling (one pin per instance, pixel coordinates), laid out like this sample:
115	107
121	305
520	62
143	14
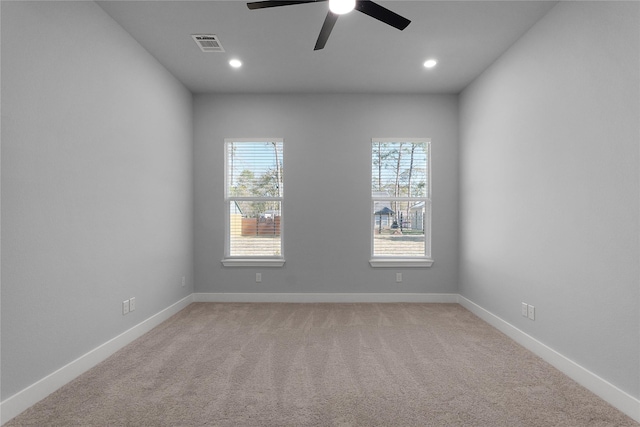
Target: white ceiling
362	54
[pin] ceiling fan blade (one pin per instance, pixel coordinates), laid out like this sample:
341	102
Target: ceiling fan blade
383	14
277	3
329	22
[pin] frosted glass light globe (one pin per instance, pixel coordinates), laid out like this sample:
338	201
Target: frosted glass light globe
341	7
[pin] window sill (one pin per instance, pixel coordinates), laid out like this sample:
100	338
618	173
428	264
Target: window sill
401	262
253	262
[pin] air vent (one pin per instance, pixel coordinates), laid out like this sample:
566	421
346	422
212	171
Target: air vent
208	42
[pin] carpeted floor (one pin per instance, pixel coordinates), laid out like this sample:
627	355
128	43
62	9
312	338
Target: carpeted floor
232	364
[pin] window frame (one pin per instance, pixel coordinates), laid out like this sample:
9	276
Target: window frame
403	260
258	260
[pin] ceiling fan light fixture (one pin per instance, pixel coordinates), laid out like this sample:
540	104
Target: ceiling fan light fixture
337	8
340	7
430	63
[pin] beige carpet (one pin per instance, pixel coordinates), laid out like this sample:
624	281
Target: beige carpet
323	365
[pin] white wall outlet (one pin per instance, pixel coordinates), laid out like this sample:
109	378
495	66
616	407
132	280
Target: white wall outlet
184	282
532	312
398	277
524	310
258	277
125	307
132	304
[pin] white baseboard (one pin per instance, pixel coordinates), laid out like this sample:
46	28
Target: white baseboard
324	297
22	400
14	405
602	388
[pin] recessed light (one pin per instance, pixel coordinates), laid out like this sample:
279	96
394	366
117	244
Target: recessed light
235	63
430	63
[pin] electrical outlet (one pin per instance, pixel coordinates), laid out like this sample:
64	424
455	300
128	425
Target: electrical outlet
532	312
184	282
398	277
132	304
258	277
125	307
524	310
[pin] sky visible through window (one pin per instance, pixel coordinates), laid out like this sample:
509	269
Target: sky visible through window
399	169
255	169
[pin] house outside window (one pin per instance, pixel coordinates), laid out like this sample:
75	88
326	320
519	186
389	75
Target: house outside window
401	202
254	195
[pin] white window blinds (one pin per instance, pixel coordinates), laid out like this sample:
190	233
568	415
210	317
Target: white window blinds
401	199
254	194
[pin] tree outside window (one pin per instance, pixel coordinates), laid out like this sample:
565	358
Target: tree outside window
254	194
401	204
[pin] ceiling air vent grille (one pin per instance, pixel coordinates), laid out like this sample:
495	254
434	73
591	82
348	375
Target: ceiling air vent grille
208	42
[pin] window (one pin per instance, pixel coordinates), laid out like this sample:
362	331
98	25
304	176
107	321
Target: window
400	203
254	177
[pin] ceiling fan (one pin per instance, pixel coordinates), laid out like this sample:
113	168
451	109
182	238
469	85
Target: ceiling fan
337	8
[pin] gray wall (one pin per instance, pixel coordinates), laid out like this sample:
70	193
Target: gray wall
549	186
327	148
98	197
96	185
